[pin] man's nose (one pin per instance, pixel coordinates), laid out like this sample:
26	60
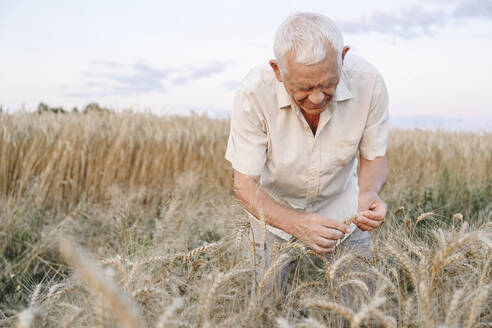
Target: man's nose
316	97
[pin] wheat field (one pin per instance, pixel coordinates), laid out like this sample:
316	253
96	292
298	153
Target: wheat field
129	220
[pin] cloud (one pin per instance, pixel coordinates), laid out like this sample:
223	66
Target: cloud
231	85
473	8
198	73
139	78
416	20
107	63
112	78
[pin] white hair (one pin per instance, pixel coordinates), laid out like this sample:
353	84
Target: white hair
307	36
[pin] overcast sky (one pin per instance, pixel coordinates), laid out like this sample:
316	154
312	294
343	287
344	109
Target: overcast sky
173	56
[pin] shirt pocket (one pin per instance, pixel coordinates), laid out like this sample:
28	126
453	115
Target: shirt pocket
293	188
346	150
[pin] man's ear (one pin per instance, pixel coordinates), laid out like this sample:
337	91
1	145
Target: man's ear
344	52
274	65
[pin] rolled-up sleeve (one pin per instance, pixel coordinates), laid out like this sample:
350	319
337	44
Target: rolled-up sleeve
375	136
247	144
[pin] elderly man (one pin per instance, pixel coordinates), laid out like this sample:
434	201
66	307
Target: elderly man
296	129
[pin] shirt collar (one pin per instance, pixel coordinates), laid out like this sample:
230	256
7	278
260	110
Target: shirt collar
343	92
285	101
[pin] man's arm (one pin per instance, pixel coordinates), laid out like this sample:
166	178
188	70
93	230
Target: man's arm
315	231
372	177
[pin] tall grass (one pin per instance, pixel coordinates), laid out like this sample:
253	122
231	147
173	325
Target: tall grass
65	158
163	243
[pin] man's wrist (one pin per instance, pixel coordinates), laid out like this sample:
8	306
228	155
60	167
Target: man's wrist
291	220
373	192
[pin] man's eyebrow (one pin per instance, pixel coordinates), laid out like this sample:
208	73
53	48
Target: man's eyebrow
328	82
303	86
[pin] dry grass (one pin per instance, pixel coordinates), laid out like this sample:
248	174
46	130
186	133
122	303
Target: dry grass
68	158
150	198
63	159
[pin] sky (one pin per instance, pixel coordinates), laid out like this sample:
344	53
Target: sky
180	56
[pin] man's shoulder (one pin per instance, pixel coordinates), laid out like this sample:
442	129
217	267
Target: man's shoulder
361	76
357	65
259	78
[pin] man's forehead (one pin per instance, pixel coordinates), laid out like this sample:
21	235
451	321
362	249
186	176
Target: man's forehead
312	78
324	71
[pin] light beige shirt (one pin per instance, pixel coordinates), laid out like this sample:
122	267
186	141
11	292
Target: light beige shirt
269	137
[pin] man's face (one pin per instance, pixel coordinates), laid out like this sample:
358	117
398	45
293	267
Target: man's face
312	87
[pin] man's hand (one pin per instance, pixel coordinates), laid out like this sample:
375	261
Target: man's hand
372	211
319	232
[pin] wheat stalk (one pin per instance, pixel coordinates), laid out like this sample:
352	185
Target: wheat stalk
310	323
345	258
337	308
283	322
404	261
27	317
385	320
387	282
366	310
443	255
294	292
272	270
453	307
407	316
69	322
208	297
194	252
481	294
355	282
177	305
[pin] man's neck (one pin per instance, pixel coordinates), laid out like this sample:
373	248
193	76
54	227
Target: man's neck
312	120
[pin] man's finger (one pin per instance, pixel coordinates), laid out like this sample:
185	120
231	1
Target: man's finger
368	222
377	215
330	233
322	250
336	225
325	243
364	227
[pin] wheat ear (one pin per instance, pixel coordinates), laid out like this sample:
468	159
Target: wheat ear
194	252
405	261
332	306
272	270
292	294
366	310
355	282
35	295
443	255
347	257
206	302
481	294
98	283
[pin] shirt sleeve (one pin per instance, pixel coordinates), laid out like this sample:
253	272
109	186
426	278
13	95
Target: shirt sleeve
375	136
247	144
